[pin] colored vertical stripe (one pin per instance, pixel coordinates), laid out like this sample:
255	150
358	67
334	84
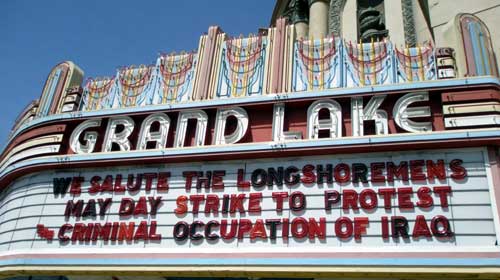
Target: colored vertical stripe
44	108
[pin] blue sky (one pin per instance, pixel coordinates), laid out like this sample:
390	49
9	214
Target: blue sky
100	36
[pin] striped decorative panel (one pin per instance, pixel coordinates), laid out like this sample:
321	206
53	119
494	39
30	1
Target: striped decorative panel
32	143
175	74
472	121
368	64
316	65
240	66
471	109
98	94
39	146
416	64
37	151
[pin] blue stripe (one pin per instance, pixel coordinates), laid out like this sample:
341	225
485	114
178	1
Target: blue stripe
45	107
412	262
475	49
484	51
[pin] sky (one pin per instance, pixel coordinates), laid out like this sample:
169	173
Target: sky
101	35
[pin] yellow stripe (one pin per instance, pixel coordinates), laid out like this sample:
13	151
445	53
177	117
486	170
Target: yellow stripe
311	64
361	60
258	271
408	65
245	67
373	64
321	66
420	63
177	77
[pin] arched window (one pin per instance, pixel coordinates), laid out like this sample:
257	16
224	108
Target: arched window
478	49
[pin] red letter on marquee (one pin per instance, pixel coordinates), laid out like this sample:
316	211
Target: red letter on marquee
126	207
416	171
141	207
368	199
240	182
360	225
377	175
421	228
254	202
196	199
181	205
76	185
339	224
258	230
404	198
349	199
387	193
443	192
62	232
308	176
316	229
212	204
436	170
244	226
279	197
424	198
237	203
459	172
162	184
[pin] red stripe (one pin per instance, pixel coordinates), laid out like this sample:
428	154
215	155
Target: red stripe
476	95
46	130
286	255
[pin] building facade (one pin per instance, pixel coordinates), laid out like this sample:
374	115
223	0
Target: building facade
350	139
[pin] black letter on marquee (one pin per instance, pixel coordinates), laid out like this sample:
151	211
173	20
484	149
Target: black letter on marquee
181	231
291	176
274	176
399	227
328	173
259	178
360	171
61	185
74	209
273	224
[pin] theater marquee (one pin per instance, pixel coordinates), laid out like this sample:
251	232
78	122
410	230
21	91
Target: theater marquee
331	178
431	199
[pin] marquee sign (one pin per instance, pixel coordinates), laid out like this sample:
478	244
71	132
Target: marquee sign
324	117
328	177
426	198
276	123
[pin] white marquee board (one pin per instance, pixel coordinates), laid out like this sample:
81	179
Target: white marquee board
30	201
